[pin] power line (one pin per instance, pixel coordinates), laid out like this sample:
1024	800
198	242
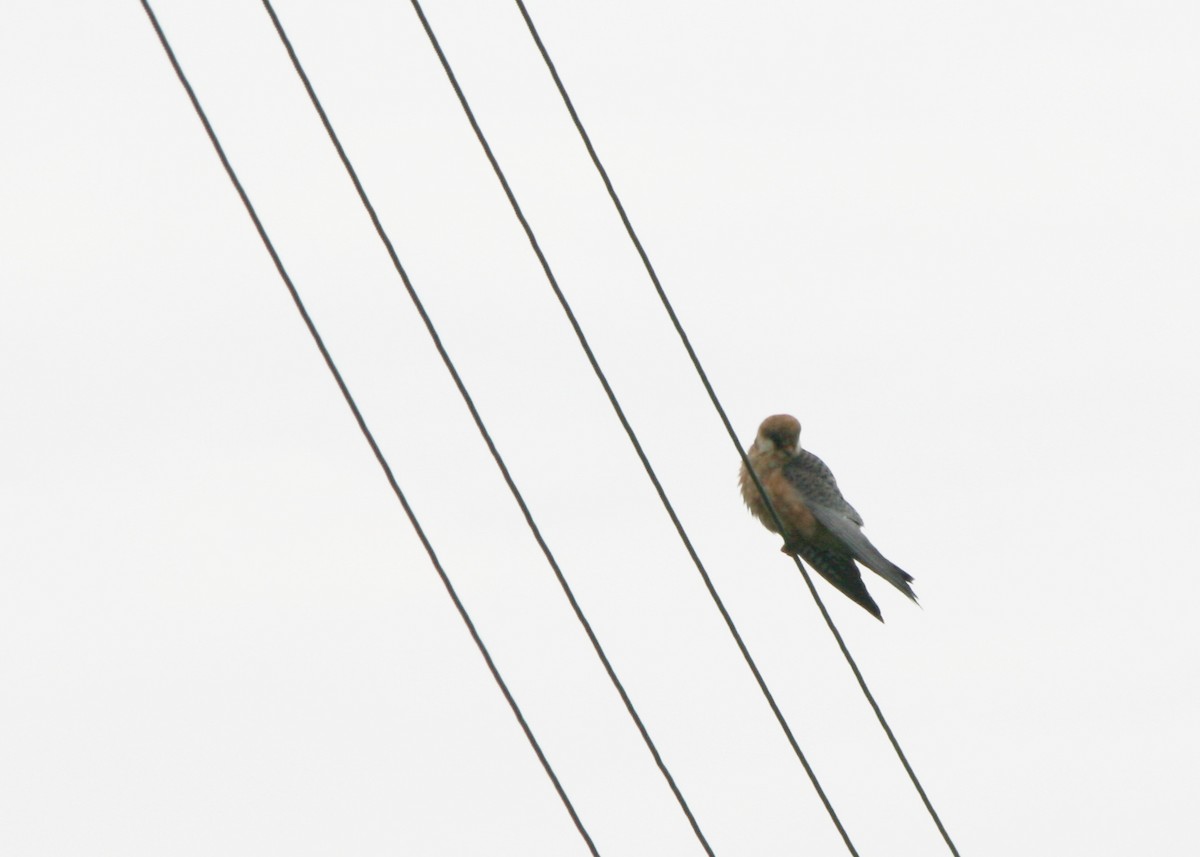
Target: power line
724	417
517	496
366	432
591	357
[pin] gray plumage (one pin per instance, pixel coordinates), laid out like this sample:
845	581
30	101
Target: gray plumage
816	484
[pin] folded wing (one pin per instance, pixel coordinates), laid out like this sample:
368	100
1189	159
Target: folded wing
816	485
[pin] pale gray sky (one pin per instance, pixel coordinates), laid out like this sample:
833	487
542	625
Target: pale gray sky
958	241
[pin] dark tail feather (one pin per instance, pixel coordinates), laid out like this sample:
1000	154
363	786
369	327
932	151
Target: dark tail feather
843	573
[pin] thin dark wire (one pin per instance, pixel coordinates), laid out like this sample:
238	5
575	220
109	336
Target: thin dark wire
366	432
362	194
625	423
721	413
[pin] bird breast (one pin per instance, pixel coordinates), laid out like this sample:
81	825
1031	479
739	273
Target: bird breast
798	520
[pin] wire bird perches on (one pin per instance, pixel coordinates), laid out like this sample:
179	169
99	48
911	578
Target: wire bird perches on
641	251
367	434
466	396
620	413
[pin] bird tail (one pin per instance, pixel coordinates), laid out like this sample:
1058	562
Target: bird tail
840	570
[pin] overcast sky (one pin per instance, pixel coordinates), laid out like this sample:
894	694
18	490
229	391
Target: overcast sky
957	241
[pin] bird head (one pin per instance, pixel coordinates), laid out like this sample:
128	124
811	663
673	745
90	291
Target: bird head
781	431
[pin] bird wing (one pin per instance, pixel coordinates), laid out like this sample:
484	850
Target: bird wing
814	481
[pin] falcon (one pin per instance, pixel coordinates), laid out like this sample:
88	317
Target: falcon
818	524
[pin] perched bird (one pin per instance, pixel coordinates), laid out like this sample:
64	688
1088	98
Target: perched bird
818	523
